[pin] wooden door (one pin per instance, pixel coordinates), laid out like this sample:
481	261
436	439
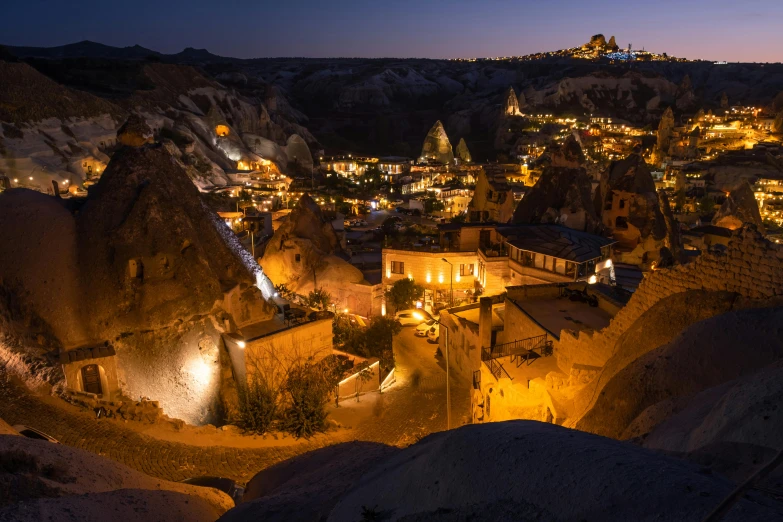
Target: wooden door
91	378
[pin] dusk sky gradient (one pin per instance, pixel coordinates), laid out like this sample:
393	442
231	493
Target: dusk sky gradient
748	30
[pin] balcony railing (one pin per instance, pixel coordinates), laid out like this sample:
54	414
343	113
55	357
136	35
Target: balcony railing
538	344
498	250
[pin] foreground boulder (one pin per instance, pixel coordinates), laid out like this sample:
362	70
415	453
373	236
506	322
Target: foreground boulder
308	486
520	470
44	481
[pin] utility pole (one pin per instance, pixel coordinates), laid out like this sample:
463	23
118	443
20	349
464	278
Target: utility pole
451	280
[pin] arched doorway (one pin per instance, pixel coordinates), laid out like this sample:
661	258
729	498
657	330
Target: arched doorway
91	379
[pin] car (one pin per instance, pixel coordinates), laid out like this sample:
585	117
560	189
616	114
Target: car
32	433
411	317
226	485
433	333
423	328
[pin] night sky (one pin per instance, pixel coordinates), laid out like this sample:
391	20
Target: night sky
747	30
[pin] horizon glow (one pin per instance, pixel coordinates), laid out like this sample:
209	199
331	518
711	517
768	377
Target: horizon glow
699	29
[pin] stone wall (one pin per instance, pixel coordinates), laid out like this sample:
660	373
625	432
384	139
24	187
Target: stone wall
751	266
272	355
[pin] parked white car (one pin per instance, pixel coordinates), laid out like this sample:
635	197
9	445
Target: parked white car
423	328
411	317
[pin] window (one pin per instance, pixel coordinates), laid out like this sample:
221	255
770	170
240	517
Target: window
465	270
397	267
298	258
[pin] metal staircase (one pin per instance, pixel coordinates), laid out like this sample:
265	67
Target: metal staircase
521	351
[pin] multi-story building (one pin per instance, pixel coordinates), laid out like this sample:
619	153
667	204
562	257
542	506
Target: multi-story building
485	258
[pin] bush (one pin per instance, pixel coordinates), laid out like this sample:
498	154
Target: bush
258	406
307	389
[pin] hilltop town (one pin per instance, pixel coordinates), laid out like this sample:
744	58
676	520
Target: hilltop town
231	263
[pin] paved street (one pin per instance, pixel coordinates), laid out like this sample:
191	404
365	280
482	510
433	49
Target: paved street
412	408
416	405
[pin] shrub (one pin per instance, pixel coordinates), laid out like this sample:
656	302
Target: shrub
307	389
258	405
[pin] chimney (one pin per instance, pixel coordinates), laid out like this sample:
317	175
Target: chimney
56	189
485	322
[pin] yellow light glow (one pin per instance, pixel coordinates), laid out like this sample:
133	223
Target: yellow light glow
456	278
418	316
428	278
440	278
241	344
593	279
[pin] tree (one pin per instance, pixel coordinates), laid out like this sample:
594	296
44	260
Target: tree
318	299
363	374
706	205
403	294
245	199
679	200
458	218
379	340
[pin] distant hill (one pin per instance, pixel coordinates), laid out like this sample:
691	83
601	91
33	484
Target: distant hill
88	49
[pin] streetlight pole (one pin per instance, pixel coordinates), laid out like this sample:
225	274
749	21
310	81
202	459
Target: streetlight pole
448	383
451	281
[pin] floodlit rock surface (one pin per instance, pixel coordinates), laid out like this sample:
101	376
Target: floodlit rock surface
650	364
41	480
143	265
134	132
437	146
302	253
462	151
51	132
739	208
534	471
629	205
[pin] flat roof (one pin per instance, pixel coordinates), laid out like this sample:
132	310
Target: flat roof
556	241
472	315
555	314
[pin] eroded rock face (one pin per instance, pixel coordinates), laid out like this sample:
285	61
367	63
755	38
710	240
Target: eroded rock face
629	206
739	208
567	155
462	151
301	254
511	104
612	45
144	265
561	195
134	132
665	132
493	200
298	152
437	146
597	41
